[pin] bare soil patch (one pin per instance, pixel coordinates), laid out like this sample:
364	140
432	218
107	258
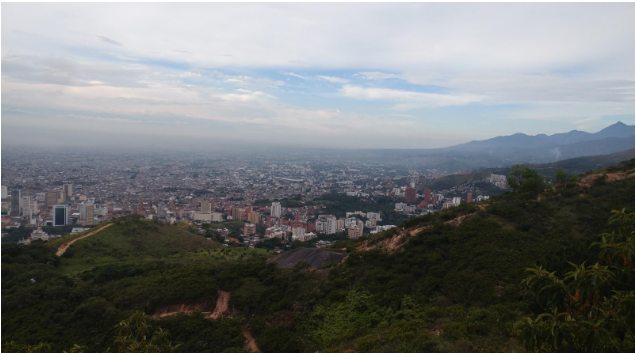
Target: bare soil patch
588	180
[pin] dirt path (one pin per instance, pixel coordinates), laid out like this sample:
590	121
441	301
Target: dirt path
399	239
221	309
222	304
62	248
177	309
250	343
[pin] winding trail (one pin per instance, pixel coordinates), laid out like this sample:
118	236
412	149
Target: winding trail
222	304
250	343
62	248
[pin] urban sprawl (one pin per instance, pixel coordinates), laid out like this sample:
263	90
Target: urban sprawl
272	196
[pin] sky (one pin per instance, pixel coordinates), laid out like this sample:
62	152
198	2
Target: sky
330	75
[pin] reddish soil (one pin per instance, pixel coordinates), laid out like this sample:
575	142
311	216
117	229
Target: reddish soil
62	248
182	308
399	239
222	304
221	308
587	181
250	343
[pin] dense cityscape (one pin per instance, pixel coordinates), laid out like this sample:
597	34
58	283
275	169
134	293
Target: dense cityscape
244	198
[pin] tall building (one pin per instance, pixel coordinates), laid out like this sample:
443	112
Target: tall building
217	217
428	196
26	208
60	215
469	197
87	213
327	224
355	232
249	229
90	215
16	196
332	224
5	192
254	217
51	199
34	207
410	195
206	207
277	210
68	190
161	211
237	213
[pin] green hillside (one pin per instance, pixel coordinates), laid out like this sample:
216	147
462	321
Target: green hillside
456	285
572	166
447	182
131	240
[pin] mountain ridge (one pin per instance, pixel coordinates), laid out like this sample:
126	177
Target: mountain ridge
616	130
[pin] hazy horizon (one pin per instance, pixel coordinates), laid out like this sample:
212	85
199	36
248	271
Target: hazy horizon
335	76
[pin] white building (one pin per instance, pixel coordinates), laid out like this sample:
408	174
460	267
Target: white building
327	224
298	232
5	192
307	236
39	234
202	216
382	228
277	210
206	207
26	207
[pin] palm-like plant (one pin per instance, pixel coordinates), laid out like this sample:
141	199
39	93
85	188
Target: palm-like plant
590	309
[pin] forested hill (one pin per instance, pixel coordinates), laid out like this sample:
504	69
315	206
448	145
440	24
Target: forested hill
448	282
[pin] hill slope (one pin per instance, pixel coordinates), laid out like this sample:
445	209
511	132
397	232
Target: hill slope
453	285
131	240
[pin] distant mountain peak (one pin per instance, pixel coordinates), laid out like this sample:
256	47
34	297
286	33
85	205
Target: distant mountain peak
619	128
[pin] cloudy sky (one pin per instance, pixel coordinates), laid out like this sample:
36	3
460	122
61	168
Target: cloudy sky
315	75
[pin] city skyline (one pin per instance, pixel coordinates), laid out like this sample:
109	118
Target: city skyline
314	75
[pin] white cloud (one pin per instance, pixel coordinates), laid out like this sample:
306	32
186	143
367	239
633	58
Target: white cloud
512	88
377	75
297	76
332	79
246	97
413	99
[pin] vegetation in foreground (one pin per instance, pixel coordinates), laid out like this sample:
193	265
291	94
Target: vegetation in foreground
452	287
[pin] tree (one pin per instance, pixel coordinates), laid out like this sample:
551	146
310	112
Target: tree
526	181
562	177
23	348
136	335
591	308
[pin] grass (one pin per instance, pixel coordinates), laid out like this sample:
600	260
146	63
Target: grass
142	240
65	239
133	241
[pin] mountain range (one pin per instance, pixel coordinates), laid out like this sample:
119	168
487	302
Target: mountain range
503	151
614	138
